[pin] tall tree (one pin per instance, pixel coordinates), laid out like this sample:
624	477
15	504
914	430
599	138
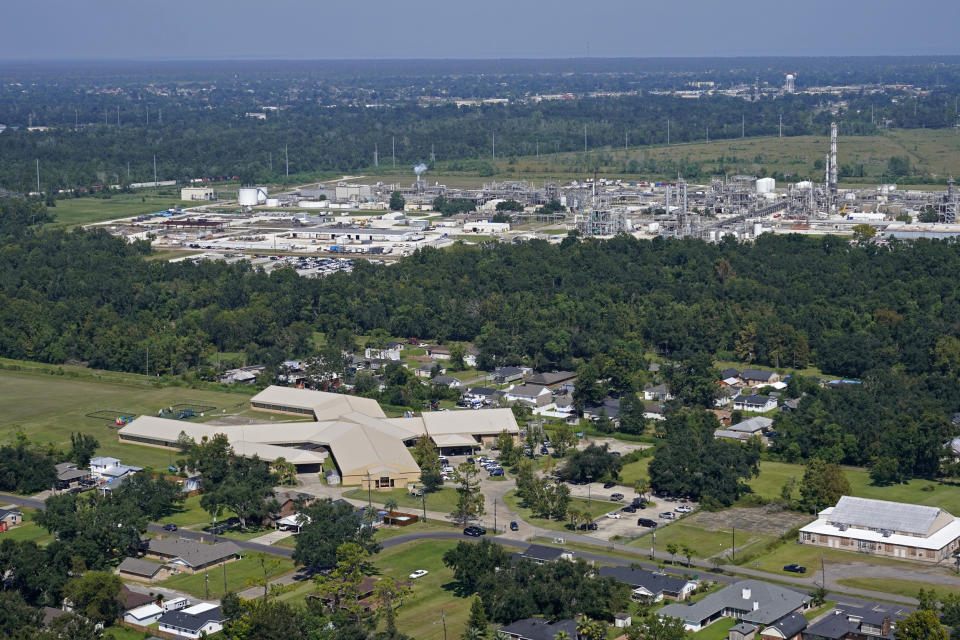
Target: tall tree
469	499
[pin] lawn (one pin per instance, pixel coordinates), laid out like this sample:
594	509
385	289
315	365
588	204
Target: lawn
28	530
239	576
896	586
191	514
595	509
716	631
385	532
86	210
444	499
773	475
48	408
420	616
703	542
809	556
633	471
122	633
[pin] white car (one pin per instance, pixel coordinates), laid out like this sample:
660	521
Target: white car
614	515
683	509
448	469
419	573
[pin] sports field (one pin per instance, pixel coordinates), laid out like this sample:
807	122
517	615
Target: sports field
49	407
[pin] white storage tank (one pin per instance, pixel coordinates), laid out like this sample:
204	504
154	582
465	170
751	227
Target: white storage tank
757	229
251	196
804	185
273	202
766	185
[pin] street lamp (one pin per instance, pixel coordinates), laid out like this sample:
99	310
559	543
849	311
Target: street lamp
589	487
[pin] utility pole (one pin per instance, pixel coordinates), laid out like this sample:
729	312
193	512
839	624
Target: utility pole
494	145
155	185
538	148
423	499
733	547
708	134
160	115
369	492
38	176
626	139
376	155
206	582
443	617
668	132
823	572
118	115
494	516
393	142
433	156
270	160
743	126
286	156
584	138
781	123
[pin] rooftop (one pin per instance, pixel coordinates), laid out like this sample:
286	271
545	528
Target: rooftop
882	514
760	603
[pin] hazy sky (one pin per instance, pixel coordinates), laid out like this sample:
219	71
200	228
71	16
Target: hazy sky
314	29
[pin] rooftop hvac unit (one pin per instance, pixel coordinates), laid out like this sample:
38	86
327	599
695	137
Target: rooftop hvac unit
886	533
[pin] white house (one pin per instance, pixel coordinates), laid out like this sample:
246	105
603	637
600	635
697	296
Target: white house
100	464
390	352
193	621
759	404
530	394
143	616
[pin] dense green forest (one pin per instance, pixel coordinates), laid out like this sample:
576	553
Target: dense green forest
889	315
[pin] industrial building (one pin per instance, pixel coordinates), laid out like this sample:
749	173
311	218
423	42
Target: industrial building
367	447
359	234
882	528
197	193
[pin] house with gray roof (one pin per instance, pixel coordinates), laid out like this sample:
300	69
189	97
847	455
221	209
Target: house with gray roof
539	629
650	586
789	628
760	603
759	376
190	555
848	622
552	379
754	402
883	528
193	622
139	569
540	554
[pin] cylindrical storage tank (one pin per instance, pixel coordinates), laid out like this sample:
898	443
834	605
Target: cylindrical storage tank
251	196
273	202
805	184
712	236
766	185
757	229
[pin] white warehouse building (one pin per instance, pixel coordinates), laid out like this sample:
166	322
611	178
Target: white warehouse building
358	234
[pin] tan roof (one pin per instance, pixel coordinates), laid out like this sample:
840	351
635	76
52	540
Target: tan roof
325	405
453	440
469	421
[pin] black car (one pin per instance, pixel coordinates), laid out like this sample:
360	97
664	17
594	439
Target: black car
795	568
609	485
514	526
170	527
589	526
646	522
629	509
616	497
475	531
470	460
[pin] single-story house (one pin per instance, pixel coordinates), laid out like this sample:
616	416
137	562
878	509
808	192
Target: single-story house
193	621
68	474
540	554
503	375
426	371
731	435
759	376
482	395
653	411
51	613
742	631
529	394
190	555
10	518
883	528
447	381
242	375
610	407
144	616
787	628
139	569
746	600
539	629
754	426
390	352
730	372
848	622
293	522
131	599
758	404
658	393
553	379
650	586
288	498
442	352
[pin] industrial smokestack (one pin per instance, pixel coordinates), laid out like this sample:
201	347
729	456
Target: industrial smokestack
833	158
826	171
419	168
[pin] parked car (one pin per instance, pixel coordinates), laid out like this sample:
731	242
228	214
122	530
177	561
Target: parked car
795	568
609	485
684	508
646	522
668	515
614	515
448	469
419	573
629	509
475	531
496	473
514	526
616	497
470	460
170	527
589	526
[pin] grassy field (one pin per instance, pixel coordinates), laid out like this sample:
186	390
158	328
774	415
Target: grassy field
809	557
441	500
385	532
813	613
773	475
704	542
420	616
75	211
28	530
634	471
48	408
595	508
895	586
239	576
122	633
